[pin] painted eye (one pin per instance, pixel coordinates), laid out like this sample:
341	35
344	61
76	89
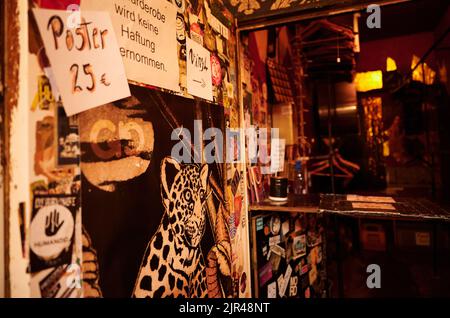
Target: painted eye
187	195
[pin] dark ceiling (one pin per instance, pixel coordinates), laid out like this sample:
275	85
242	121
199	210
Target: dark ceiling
398	19
407	18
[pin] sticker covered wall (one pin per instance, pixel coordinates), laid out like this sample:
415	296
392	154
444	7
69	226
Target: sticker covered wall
144	215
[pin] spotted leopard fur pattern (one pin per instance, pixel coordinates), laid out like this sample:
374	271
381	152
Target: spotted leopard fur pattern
173	265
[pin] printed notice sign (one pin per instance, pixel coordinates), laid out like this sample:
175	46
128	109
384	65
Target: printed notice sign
85	58
199	81
146	32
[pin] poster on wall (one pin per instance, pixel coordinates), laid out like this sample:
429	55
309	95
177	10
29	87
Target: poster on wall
146	32
199	80
52	231
85	59
165	233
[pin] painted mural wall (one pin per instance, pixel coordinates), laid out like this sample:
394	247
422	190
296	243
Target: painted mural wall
113	212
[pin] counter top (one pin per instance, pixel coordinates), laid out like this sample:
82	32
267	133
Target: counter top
382	207
295	203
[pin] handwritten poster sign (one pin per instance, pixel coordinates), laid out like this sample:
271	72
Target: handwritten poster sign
85	59
199	81
147	38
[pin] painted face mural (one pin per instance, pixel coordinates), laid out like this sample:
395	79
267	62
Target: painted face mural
117	143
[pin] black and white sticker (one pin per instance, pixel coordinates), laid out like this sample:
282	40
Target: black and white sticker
52	231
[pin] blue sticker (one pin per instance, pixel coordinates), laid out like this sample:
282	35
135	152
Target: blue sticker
259	224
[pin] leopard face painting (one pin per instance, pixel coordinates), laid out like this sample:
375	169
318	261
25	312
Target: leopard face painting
173	265
187	215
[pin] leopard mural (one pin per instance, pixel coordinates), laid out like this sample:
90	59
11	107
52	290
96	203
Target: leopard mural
173	265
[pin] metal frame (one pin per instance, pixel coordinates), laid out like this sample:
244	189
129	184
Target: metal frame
296	16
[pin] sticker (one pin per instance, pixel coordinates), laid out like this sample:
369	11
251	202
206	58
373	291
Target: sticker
272	290
274	240
280	283
277	249
293	286
51	231
44	96
264	250
285	282
299	246
235	181
196	33
216	70
275	225
266	230
275	259
423	239
265	274
305	269
50	286
180	29
259	224
68	139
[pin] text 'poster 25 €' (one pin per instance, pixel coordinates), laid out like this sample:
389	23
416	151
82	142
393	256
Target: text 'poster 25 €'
84	57
146	32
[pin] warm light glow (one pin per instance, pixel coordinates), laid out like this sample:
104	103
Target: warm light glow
443	74
368	81
391	65
423	73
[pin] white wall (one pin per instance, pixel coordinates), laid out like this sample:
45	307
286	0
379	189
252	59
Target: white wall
18	166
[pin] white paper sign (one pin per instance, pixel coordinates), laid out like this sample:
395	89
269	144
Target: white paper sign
277	149
198	61
146	32
85	60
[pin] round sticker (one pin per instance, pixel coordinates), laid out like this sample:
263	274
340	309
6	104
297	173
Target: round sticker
51	231
180	29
